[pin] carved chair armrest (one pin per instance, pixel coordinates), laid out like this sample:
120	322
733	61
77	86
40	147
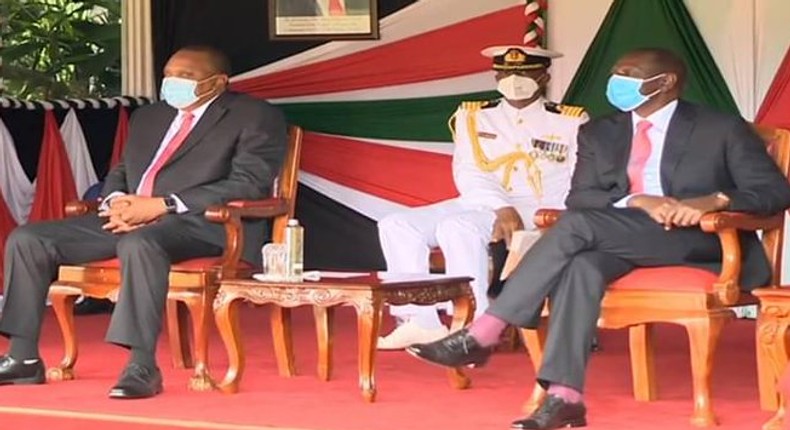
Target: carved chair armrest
726	225
545	218
231	215
81	207
719	221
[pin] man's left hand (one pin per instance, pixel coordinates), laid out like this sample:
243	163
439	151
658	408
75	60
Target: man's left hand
689	212
135	210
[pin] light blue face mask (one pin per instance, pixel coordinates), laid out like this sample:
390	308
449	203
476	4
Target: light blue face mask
623	92
179	92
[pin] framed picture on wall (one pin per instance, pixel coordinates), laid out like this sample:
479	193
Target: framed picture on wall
323	19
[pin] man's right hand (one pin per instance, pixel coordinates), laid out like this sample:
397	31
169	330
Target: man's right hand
507	221
658	207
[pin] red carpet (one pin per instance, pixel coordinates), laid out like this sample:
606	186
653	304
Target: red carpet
412	394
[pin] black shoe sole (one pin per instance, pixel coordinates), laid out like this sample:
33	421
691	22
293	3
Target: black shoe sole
580	422
33	380
121	396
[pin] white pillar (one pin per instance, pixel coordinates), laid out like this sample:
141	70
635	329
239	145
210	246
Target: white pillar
137	53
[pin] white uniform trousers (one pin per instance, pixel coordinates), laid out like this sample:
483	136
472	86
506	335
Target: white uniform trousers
462	231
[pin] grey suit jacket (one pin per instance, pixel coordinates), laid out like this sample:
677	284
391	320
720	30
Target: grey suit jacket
234	152
705	152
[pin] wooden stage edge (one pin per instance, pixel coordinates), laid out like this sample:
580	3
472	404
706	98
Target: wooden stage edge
131	419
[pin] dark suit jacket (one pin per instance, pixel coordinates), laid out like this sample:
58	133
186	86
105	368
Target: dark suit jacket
234	152
705	152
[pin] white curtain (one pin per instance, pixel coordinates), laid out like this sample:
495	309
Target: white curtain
15	188
77	150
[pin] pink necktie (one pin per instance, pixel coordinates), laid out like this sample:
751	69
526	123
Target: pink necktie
336	8
147	186
640	152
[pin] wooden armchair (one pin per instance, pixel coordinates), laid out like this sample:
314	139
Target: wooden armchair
193	283
694	298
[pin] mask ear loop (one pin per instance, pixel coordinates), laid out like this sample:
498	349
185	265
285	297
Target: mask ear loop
204	80
660	75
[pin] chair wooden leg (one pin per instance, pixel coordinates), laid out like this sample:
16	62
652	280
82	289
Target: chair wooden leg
63	305
772	356
200	309
703	338
177	333
535	340
283	341
640	339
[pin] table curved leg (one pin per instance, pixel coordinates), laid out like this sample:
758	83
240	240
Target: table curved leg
283	340
368	321
324	322
463	313
226	315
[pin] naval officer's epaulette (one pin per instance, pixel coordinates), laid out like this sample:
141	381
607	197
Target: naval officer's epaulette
567	110
480	104
471	106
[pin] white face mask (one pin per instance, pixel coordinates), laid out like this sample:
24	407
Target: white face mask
515	87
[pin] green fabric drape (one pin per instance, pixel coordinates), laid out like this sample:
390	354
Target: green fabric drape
423	119
632	24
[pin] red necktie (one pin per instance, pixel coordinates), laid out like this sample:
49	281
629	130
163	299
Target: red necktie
147	185
640	152
336	8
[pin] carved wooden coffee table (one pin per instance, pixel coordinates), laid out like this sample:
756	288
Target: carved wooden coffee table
367	293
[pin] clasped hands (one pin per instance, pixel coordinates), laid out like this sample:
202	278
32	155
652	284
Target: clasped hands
129	212
677	213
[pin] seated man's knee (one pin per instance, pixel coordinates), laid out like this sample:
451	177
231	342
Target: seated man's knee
396	225
22	237
573	219
459	228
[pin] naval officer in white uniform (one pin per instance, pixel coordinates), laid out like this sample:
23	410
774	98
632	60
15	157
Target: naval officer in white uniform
512	156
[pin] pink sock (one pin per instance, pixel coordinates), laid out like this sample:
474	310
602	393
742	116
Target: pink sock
570	395
487	329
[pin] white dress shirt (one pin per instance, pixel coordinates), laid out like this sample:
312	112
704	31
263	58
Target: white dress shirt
658	136
171	132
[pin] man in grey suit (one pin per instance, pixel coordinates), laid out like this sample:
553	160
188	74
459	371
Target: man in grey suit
201	146
649	172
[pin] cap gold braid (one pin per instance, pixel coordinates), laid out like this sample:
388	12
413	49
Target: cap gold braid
508	161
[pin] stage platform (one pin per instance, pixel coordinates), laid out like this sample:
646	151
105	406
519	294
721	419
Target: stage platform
412	394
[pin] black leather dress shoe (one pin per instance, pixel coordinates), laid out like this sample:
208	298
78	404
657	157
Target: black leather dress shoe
457	349
19	372
137	382
554	413
91	306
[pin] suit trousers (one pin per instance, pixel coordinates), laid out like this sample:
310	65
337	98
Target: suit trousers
34	252
571	266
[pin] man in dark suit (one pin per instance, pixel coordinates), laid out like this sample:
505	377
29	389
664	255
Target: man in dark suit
649	173
201	146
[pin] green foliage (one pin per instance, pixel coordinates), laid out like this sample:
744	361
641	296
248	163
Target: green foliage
60	48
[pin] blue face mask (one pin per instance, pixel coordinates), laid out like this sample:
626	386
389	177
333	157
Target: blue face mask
179	92
623	92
